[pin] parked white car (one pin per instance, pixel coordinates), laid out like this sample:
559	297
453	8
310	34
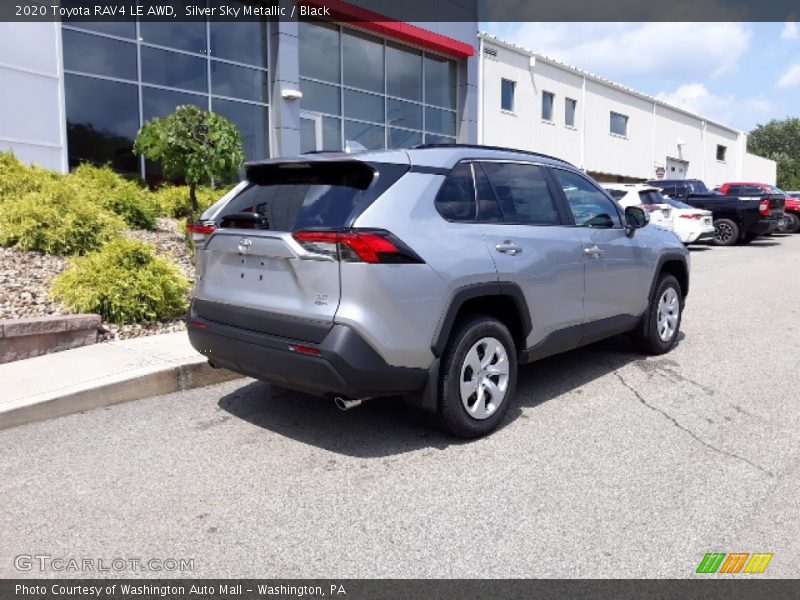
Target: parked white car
646	196
691	225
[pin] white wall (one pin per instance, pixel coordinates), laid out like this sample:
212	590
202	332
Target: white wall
656	132
32	103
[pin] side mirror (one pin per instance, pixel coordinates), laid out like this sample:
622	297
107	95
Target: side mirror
635	218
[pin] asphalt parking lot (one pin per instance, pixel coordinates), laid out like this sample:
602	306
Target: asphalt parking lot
611	464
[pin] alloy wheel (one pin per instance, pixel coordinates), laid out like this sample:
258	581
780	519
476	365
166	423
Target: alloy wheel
669	308
484	378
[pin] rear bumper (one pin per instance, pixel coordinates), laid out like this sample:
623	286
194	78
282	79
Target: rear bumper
696	236
763	226
346	366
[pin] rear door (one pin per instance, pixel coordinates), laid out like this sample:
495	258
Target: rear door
255	274
526	233
617	280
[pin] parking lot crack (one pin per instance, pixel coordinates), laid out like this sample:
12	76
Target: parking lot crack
688	431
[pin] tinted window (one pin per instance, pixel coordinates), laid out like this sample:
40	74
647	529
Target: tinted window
239	82
440	121
242	41
547	105
590	206
125	29
651	197
252	121
369	136
488	206
184	35
569	112
320	97
734	190
323	195
522	193
456	198
160	103
367	107
319	51
618	194
362	62
619	124
404	78
507	94
403	114
172	69
440	82
676	203
98	55
402	138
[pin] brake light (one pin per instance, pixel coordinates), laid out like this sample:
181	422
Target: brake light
763	207
358	245
305	350
200	228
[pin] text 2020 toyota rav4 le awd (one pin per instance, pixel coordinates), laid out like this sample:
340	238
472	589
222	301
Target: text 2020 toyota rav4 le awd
429	273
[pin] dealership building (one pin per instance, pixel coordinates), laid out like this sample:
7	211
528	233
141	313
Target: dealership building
532	102
80	91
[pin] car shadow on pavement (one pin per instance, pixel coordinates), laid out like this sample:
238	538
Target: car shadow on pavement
387	426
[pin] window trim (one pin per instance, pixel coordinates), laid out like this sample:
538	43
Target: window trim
512	110
570	215
614	133
567	100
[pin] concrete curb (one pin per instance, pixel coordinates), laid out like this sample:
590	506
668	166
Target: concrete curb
155	383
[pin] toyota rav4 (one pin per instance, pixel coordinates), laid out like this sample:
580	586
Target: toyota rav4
429	273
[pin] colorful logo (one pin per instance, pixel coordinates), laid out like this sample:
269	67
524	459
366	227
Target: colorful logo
736	562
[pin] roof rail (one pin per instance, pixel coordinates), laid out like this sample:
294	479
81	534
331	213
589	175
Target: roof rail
499	148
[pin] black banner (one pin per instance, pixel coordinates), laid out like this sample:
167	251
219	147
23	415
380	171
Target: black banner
399	589
401	10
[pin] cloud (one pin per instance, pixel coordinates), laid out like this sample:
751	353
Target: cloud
790	77
790	31
695	97
626	50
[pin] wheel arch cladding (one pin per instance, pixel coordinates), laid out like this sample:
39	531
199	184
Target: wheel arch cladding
678	269
504	301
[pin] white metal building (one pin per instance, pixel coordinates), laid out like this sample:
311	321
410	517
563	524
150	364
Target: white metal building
532	102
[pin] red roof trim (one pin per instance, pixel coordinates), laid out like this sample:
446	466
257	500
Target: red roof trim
398	30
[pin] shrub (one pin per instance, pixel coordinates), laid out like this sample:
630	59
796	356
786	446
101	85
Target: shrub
123	282
55	221
174	201
17	178
107	189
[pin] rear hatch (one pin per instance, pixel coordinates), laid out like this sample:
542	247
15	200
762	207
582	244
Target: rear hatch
255	274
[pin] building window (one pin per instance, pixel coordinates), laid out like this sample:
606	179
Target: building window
721	152
619	124
373	91
547	105
507	88
569	112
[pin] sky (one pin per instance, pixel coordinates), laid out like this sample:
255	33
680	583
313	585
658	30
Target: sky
741	74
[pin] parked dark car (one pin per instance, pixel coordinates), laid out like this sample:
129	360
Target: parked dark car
736	220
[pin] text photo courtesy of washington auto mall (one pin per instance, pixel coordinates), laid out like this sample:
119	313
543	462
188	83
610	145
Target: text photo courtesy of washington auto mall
377	300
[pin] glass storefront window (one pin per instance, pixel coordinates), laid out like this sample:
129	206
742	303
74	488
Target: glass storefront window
240	41
440	82
401	138
319	51
367	107
160	103
102	121
369	136
404	78
126	29
331	133
403	114
183	35
239	82
319	97
432	138
362	61
252	120
172	69
99	55
440	121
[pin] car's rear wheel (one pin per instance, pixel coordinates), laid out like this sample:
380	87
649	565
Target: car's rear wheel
660	331
479	373
726	232
794	223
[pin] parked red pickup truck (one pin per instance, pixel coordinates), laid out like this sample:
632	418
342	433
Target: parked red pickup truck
754	190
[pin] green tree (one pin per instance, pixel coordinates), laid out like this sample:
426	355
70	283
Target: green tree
193	143
779	141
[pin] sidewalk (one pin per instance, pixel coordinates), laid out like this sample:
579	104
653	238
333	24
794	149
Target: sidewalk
103	374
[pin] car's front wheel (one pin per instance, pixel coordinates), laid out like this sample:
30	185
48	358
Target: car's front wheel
660	331
479	373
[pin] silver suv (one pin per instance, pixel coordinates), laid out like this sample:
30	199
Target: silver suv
429	273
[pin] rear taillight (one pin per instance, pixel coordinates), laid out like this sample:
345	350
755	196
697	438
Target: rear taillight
763	207
200	228
692	216
358	245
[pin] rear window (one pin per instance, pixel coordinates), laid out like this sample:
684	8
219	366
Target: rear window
617	194
312	195
651	197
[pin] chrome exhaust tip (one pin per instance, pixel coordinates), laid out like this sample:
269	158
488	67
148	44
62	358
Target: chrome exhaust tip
345	403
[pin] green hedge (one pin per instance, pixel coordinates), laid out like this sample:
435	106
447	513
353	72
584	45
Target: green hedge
55	221
123	282
17	178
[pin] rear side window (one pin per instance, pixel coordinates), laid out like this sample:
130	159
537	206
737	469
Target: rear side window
522	193
617	194
456	198
313	195
651	197
589	206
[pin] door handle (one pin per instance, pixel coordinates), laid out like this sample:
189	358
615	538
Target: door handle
594	251
508	247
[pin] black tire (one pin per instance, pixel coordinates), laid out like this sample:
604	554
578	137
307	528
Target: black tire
748	237
794	223
648	337
726	232
453	416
